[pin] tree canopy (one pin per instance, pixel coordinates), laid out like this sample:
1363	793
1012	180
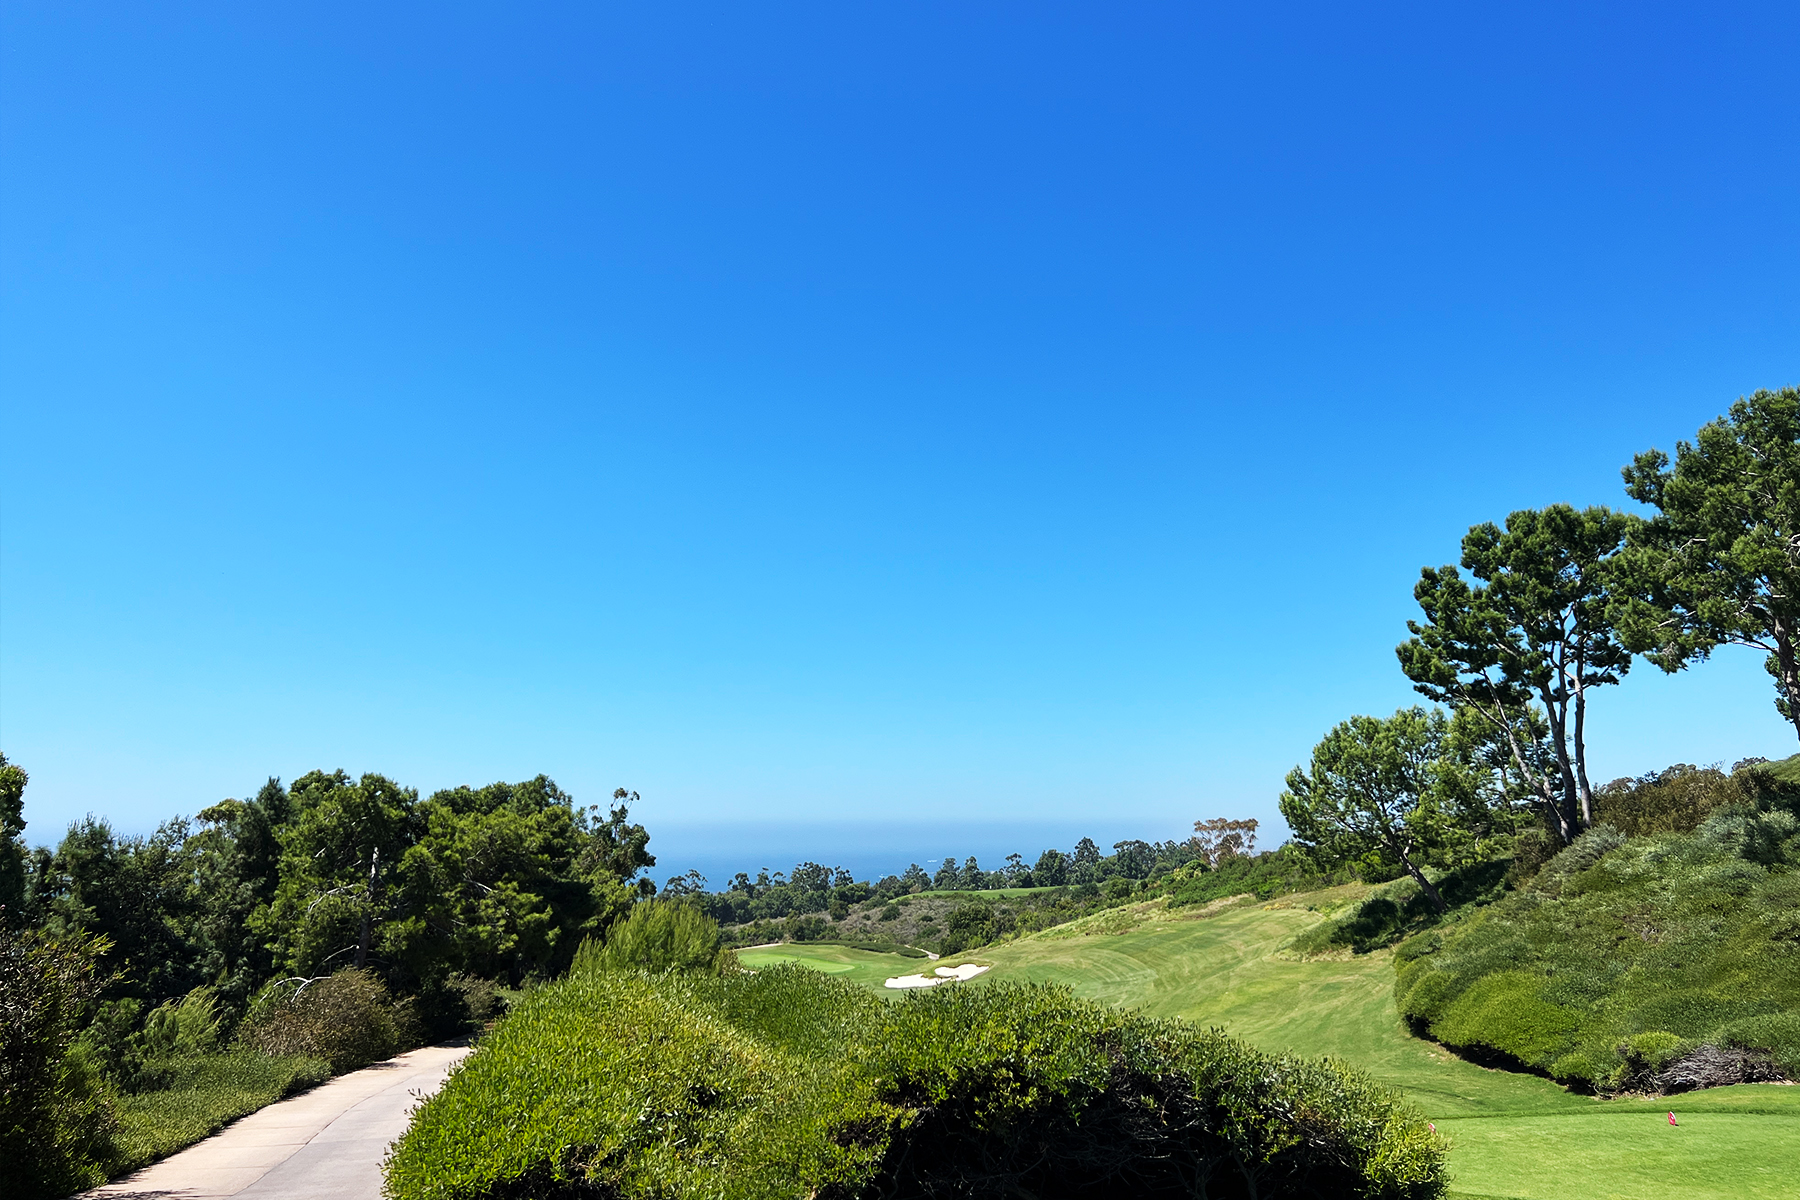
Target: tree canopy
1392	786
1536	629
1719	562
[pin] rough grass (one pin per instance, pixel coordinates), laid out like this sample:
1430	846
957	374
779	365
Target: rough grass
1510	1134
206	1093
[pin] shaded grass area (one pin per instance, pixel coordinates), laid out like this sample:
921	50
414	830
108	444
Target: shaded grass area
1511	1135
1397	910
206	1092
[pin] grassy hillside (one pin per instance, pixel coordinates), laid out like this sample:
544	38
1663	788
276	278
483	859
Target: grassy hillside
1641	964
1511	1134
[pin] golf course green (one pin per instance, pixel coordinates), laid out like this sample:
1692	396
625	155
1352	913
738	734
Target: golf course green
1511	1135
866	967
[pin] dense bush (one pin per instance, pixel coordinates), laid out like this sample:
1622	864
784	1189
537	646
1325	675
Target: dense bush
1275	873
347	1019
787	1083
56	1123
1656	962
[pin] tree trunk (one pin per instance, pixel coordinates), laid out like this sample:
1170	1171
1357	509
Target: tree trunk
362	941
1584	791
1567	811
1790	672
1539	783
1425	885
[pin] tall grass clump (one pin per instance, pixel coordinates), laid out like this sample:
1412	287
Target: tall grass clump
1655	963
658	935
786	1083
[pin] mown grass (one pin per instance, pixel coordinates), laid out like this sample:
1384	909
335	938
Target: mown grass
206	1092
865	968
1511	1134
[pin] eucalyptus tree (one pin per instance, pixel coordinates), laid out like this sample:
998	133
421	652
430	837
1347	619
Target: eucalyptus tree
1394	786
1536	628
1719	563
1223	838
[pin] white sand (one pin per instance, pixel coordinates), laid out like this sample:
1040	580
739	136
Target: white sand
941	975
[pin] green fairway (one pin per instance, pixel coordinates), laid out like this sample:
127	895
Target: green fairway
990	893
1511	1135
1629	1151
866	967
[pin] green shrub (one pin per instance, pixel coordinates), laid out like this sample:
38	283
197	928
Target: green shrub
1265	876
1624	959
787	1083
807	928
113	1042
657	935
347	1019
56	1122
1777	1033
969	924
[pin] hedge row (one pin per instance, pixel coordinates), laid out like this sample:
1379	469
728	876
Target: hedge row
787	1083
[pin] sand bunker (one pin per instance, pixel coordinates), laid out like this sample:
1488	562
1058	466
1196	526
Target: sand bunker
941	975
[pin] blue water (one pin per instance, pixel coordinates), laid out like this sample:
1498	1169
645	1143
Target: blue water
870	851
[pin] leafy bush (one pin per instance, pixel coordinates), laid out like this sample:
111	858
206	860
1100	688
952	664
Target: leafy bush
1264	876
56	1123
786	1083
969	924
347	1019
1657	962
657	935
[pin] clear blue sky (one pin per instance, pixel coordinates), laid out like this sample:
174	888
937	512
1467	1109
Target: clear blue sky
964	424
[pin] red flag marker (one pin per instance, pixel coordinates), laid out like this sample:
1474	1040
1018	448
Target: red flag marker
1672	1120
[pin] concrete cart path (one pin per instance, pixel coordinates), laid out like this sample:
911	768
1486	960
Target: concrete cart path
326	1144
